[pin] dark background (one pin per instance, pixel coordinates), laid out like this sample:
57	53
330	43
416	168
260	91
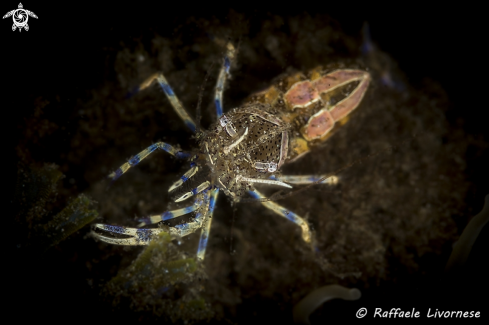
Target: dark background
66	51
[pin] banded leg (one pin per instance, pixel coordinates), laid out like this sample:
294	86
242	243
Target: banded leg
137	237
207	226
274	181
192	226
140	236
283	212
223	75
175	102
307	179
202	187
167	215
145	153
189	174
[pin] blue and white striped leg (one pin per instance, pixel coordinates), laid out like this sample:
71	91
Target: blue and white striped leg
137	236
185	229
140	236
223	75
175	102
207	225
202	187
167	215
283	212
306	179
145	153
185	177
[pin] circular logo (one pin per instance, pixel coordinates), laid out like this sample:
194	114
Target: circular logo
20	17
361	312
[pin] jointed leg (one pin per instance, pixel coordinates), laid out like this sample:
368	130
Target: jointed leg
145	153
138	236
307	179
175	102
190	227
141	236
223	75
202	187
190	173
281	211
274	181
167	215
207	226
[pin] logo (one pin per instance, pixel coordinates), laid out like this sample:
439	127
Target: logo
20	17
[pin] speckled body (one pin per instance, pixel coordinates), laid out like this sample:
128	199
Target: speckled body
266	143
279	125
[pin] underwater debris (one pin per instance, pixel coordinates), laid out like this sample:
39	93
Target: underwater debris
36	187
304	308
74	216
463	247
36	197
162	280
